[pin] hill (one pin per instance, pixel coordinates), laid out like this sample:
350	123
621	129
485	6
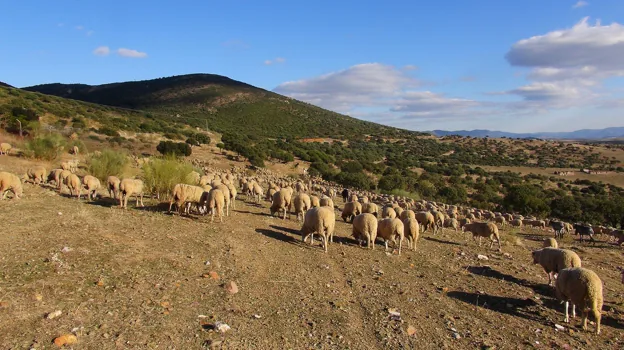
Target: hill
5	85
223	105
584	134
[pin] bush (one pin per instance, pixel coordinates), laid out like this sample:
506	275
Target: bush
202	138
47	147
81	146
108	162
192	141
174	148
108	131
160	175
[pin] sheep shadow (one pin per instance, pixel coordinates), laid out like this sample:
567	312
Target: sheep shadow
278	236
487	271
505	305
532	237
440	241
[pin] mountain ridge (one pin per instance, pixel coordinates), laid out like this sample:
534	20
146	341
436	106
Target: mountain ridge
582	134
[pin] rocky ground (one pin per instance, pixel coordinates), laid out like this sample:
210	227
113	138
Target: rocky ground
141	278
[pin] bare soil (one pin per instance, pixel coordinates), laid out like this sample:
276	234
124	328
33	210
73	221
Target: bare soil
143	279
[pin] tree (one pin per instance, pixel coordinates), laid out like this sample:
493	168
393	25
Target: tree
192	141
220	146
174	148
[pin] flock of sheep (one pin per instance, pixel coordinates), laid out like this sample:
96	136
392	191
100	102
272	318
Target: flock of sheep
373	216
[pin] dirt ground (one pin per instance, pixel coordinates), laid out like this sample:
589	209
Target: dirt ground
144	279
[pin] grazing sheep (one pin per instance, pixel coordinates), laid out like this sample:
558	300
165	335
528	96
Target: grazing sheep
257	192
438	220
351	210
75	150
129	187
463	222
92	184
62	179
10	182
36	174
426	220
452	223
516	223
554	260
212	202
327	202
364	200
5	148
407	214
315	201
584	230
583	288
55	175
365	227
74	185
388	212
113	186
302	203
412	231
281	201
550	243
500	220
233	194
184	195
370	208
484	229
389	229
558	227
228	197
321	220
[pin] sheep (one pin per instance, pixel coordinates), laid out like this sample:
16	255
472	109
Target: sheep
257	192
370	208
426	220
92	184
364	200
452	223
406	214
36	174
438	220
326	202
74	185
321	220
228	197
389	229
558	227
233	194
213	201
10	182
412	231
554	260
302	203
484	229
315	201
351	210
55	175
388	212
62	179
281	201
550	242
129	187
463	222
500	220
583	230
516	223
583	288
205	180
194	177
184	195
5	148
75	150
365	227
113	186
345	195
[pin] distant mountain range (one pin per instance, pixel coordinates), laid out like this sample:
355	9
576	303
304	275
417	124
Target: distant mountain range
584	134
5	85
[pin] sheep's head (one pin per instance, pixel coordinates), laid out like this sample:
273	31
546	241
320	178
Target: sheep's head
536	255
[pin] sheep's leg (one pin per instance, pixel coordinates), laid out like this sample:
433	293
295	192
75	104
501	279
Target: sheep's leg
585	315
567	317
597	317
550	278
212	214
142	200
386	243
480	240
400	244
574	310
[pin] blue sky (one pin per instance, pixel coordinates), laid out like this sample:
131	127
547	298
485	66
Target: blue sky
449	64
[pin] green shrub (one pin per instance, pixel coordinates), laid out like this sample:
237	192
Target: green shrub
108	162
46	147
174	148
81	146
161	174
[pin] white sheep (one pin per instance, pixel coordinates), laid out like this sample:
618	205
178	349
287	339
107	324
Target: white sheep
184	195
583	288
554	260
452	223
301	202
370	208
484	229
412	231
426	220
74	185
63	179
321	220
10	182
365	227
227	196
315	201
350	210
389	229
213	202
550	242
281	201
92	184
406	214
129	187
388	212
5	148
326	202
36	174
113	186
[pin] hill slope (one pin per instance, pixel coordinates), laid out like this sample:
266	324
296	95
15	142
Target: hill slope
223	105
584	134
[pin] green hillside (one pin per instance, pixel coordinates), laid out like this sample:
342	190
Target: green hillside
223	105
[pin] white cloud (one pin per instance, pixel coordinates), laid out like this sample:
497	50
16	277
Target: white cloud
236	44
275	61
131	53
568	66
90	32
61	24
79	27
580	4
427	104
409	67
101	51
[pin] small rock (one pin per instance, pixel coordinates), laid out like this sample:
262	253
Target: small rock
257	316
482	257
411	330
66	339
507	255
395	315
59	213
207	263
559	327
221	326
66	249
38	297
54	314
214	275
456	336
231	287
